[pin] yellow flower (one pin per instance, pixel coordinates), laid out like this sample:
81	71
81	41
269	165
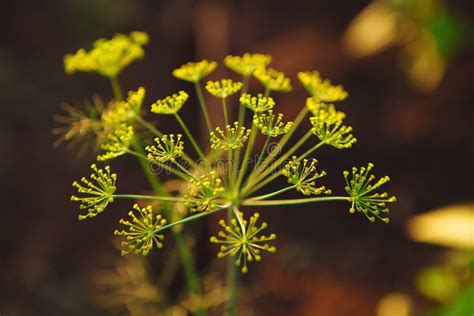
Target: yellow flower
108	57
247	64
321	90
328	127
241	239
224	88
257	103
143	231
195	71
170	104
124	111
272	79
117	143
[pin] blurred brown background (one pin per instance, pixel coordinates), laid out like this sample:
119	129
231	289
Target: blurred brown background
330	262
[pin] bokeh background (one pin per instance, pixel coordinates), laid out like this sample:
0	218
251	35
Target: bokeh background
408	67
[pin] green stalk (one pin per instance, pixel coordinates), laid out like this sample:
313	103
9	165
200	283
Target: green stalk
194	217
232	271
262	152
241	119
116	88
203	106
272	194
309	151
151	197
224	108
251	202
189	135
248	150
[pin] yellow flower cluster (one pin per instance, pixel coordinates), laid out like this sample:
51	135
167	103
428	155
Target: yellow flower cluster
247	64
273	80
321	90
223	88
195	71
171	104
108	57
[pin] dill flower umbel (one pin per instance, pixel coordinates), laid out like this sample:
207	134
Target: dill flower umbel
108	57
232	187
360	187
143	231
224	88
171	104
167	148
247	64
233	137
195	71
96	193
203	193
117	143
327	126
303	175
257	103
321	90
241	239
272	79
271	125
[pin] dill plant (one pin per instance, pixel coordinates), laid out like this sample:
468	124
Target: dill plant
226	189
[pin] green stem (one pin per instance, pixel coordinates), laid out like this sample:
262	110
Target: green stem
251	202
241	117
194	217
248	150
226	115
241	120
151	197
309	151
203	106
272	194
149	126
116	88
189	135
262	152
232	271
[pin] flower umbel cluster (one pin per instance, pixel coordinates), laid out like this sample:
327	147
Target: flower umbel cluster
241	239
361	187
218	174
143	231
96	193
